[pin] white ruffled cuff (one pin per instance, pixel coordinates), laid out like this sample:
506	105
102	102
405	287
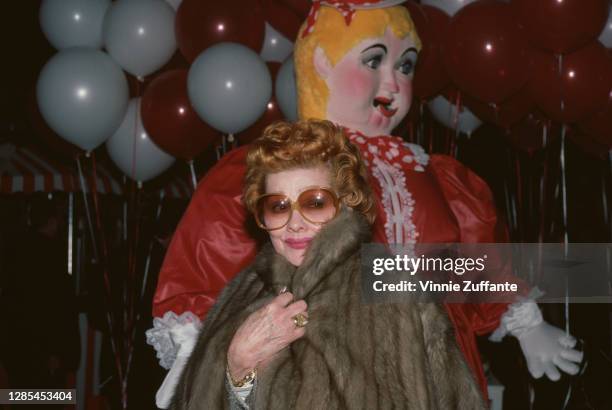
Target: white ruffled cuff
520	317
173	335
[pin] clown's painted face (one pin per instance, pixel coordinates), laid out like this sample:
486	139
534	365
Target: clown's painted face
370	88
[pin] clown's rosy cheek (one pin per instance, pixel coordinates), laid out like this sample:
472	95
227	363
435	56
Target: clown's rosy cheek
356	83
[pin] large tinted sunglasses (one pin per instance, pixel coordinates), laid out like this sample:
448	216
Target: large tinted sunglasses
316	205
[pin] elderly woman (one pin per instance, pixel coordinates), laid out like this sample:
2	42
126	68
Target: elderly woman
291	330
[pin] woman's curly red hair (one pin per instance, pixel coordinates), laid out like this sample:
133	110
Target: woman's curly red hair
306	144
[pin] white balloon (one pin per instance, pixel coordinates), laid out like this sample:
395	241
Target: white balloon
445	112
276	47
73	23
229	87
451	7
175	3
139	35
286	90
82	94
133	151
605	37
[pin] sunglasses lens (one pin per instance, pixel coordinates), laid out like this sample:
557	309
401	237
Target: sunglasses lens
317	205
273	211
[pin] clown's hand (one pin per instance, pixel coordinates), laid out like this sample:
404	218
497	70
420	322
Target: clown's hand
546	348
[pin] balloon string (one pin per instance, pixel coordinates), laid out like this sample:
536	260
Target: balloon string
565	227
143	288
519	194
94	245
543	185
610	169
132	262
454	113
604	200
135	133
563	185
70	231
507	203
107	294
105	258
513	201
608	222
194	180
560	72
457	113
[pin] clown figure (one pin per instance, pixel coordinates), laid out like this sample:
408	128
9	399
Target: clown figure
354	64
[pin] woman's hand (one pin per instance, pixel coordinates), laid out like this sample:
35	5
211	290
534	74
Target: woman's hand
263	334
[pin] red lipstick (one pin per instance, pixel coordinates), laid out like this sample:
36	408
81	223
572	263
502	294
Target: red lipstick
301	243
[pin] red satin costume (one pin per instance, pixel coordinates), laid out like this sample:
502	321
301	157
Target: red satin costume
449	203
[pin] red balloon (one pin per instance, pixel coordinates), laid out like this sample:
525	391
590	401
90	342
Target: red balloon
562	26
282	17
486	52
170	120
579	89
504	114
432	25
200	24
300	7
272	113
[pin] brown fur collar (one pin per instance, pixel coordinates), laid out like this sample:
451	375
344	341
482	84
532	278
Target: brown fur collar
339	239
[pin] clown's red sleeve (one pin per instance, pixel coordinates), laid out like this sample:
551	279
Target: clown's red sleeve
210	245
472	204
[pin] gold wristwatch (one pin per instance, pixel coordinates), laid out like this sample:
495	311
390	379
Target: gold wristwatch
245	380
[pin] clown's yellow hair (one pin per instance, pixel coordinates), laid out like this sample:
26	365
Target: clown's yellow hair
336	38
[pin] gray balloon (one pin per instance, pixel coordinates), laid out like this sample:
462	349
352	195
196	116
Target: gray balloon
82	94
605	37
276	47
229	86
286	91
139	34
133	151
73	23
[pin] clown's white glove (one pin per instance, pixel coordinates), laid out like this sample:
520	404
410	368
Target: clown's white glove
174	338
545	347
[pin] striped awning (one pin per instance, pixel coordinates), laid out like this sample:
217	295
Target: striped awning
27	170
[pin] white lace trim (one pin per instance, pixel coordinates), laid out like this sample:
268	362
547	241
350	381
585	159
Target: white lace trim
419	156
397	203
168	332
520	317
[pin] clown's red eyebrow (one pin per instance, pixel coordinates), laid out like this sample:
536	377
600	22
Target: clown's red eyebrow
374	46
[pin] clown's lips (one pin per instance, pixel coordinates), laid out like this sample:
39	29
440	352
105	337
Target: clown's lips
384	106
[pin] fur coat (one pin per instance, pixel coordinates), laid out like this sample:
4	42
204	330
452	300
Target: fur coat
353	355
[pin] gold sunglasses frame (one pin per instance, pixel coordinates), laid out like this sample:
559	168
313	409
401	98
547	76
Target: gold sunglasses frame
295	205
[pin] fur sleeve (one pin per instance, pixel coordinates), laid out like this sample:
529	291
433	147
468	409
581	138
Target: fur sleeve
453	381
202	384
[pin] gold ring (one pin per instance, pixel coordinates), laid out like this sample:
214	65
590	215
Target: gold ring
300	320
